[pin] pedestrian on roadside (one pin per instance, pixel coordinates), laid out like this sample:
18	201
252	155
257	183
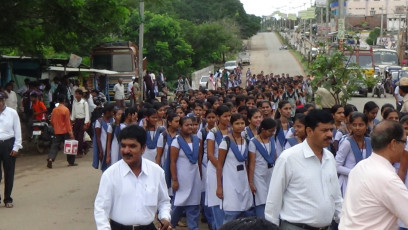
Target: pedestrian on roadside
133	183
376	197
60	120
119	90
403	91
306	174
80	118
10	143
100	137
11	100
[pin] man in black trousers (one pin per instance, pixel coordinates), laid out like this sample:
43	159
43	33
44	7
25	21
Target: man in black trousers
10	143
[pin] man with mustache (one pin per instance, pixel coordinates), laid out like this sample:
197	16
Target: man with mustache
133	189
304	191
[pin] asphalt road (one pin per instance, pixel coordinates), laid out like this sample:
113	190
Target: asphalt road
62	197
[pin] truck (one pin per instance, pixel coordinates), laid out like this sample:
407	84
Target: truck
244	58
120	56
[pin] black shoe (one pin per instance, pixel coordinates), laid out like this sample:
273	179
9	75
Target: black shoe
49	164
74	164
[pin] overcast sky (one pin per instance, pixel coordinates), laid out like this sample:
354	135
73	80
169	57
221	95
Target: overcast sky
267	7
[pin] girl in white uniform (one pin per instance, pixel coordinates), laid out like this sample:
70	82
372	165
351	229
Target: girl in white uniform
353	149
282	117
262	157
153	133
254	119
232	178
99	140
214	139
185	175
299	134
211	119
112	143
163	146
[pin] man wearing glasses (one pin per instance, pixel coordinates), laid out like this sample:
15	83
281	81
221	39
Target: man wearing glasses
376	197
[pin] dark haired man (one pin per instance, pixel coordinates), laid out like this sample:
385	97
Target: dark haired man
304	191
80	118
376	197
62	130
10	143
132	190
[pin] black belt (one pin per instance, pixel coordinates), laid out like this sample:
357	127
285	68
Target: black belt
7	140
306	227
117	226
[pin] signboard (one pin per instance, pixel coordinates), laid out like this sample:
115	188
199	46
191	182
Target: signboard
321	3
307	14
292	16
341	28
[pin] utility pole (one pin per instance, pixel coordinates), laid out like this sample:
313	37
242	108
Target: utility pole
381	26
141	33
327	19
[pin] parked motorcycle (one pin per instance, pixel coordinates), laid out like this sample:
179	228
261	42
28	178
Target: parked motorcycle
43	133
379	89
283	47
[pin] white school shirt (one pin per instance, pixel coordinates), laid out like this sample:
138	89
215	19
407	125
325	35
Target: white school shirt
345	161
119	90
303	189
262	174
188	176
80	110
211	183
10	127
129	199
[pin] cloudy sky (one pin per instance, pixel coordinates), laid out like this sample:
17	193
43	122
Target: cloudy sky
267	7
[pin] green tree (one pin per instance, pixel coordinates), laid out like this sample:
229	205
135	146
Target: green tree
372	37
164	45
337	74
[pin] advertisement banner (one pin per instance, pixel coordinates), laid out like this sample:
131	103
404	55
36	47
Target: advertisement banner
321	3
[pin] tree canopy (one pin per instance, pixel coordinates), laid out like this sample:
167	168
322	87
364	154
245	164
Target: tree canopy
180	35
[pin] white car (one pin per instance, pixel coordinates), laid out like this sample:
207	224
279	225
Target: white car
231	65
203	81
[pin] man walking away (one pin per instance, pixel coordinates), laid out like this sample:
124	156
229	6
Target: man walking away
10	143
376	197
80	118
62	130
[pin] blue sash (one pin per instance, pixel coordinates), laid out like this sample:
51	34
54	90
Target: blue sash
358	155
376	121
152	144
281	137
269	157
218	137
249	133
292	141
192	155
95	160
166	164
240	157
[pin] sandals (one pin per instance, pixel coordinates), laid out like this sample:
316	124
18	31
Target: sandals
9	205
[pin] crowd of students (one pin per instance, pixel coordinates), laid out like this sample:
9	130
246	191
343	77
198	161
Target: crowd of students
218	147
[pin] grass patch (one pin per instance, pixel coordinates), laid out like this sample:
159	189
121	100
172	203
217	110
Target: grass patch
295	53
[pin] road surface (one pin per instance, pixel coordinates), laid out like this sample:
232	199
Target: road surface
62	197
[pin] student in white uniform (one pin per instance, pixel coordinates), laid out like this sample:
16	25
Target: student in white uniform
353	149
112	143
403	171
153	133
254	119
282	117
99	140
232	178
211	119
262	157
163	146
214	139
185	175
300	131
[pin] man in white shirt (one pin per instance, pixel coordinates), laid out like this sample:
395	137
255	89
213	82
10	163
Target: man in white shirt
376	197
80	117
398	98
132	190
304	191
119	90
11	100
10	143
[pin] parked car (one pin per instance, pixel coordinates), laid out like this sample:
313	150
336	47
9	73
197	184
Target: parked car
231	65
244	58
204	81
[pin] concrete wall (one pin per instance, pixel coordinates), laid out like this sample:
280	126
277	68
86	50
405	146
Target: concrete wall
372	21
195	77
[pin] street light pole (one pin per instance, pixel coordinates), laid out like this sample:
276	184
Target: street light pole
381	26
141	33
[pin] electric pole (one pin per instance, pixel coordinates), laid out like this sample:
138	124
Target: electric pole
141	33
